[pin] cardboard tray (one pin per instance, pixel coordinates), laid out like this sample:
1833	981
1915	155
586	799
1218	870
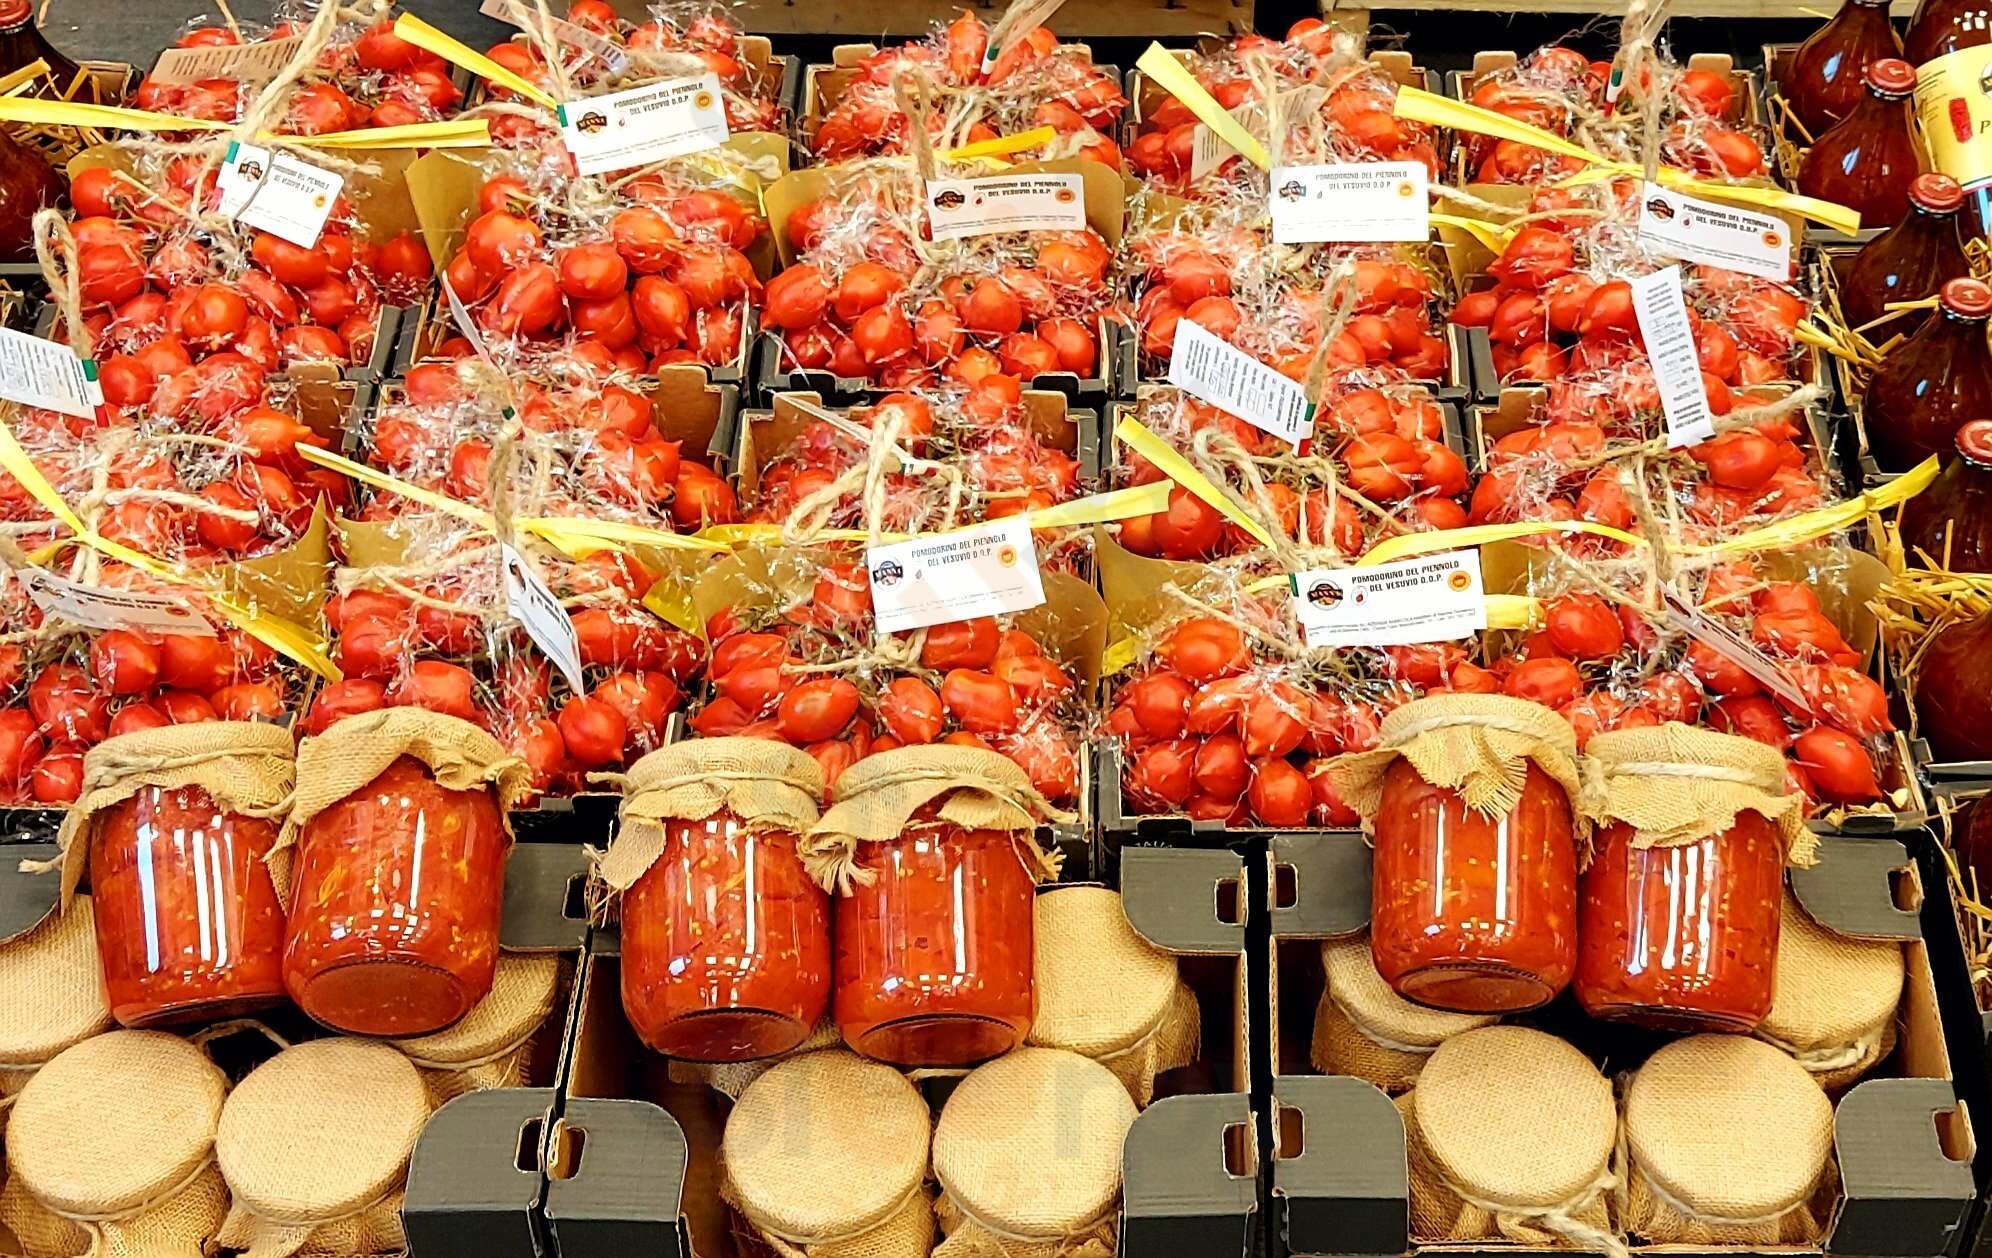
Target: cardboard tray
1339	1182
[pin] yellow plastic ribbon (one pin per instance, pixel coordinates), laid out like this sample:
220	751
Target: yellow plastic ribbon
1407	545
457	133
1493	236
1511	611
1157	451
671	602
1160	64
422	35
1813	525
1120	653
395	485
1117	504
1003	145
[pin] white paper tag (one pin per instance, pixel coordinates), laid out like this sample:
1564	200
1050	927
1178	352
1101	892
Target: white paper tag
1208	149
249	64
943	577
1432	598
98	608
277	193
1675	225
1350	202
1670	347
467	325
545	621
1210	370
42	373
644	124
1738	649
1005	203
525	16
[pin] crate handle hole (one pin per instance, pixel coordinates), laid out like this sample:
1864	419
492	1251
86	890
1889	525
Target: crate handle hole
569	1146
527	1156
1289	1133
1231	901
1286	886
1240	1154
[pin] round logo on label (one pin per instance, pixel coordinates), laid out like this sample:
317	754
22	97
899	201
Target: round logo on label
702	101
1458	581
1772	240
888	573
1007	556
1064	196
1324	594
1406	191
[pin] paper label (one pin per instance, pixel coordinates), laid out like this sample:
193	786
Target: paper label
546	622
1738	649
48	374
1005	203
644	124
1208	149
1670	347
1676	225
95	607
1956	114
248	64
277	193
943	577
525	16
1350	202
1432	598
1210	370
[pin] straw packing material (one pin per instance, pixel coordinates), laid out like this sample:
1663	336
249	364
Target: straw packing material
1365	1029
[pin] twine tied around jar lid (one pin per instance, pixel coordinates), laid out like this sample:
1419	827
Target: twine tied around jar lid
358	749
52	991
877	797
1365	1029
315	1138
1519	1126
247	767
487	1046
827	1148
767	784
1676	784
1478	745
1727	1142
1027	1152
1833	998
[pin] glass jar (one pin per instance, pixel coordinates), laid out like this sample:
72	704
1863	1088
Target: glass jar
1932	384
394	905
1471	912
934	947
1951	521
1824	82
188	924
1867	159
725	944
1684	938
1909	261
1951	684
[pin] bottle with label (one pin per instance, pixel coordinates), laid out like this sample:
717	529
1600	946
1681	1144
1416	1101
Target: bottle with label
21	43
1934	383
1867	159
1824	82
1950	44
1909	261
1951	521
1942	27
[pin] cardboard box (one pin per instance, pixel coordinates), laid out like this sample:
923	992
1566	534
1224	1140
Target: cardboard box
1339	1180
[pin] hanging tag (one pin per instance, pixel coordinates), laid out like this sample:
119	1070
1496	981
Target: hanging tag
1210	370
467	325
1433	598
624	130
1209	150
251	65
943	577
517	13
277	193
1005	203
48	374
1676	225
1350	202
96	607
1670	348
1739	650
545	621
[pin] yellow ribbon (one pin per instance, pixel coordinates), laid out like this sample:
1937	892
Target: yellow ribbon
1002	145
1817	524
422	35
1406	545
1493	236
1159	64
1118	504
458	133
1157	451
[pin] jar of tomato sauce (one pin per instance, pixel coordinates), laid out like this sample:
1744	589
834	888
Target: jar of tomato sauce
725	936
1679	908
1474	882
939	870
173	827
398	877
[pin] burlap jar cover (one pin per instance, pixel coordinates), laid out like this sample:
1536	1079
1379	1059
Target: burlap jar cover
730	1078
825	1156
1728	1142
1365	1029
489	1047
51	995
111	1150
314	1144
1106	993
1509	1134
1834	999
1676	784
1027	1153
1478	745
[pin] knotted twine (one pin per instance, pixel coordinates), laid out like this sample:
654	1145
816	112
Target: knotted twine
52	995
489	1047
1677	784
1364	1028
314	1145
1106	993
1510	1134
825	1156
115	1138
1027	1153
1728	1142
358	749
1833	999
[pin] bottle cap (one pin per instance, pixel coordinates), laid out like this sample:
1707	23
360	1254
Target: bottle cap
1966	297
1892	76
14	12
1936	193
1974	441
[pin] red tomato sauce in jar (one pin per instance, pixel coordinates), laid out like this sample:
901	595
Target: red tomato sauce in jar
1684	938
1469	912
934	951
188	924
395	903
725	944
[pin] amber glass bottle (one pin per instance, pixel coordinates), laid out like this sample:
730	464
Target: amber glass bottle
1909	261
1824	82
1867	159
1934	383
1951	521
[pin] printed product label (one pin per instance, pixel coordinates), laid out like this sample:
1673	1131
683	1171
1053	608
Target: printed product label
1431	598
1675	225
1211	370
1670	347
1005	203
97	608
644	124
546	622
943	577
277	193
1349	202
251	65
1955	110
48	374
